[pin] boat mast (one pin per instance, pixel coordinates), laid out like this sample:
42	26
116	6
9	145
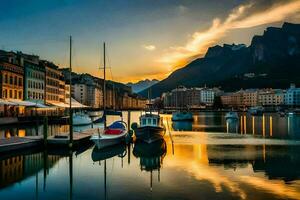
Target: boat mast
70	97
104	85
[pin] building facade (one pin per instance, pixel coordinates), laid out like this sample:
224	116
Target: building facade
271	97
11	76
52	80
34	82
292	96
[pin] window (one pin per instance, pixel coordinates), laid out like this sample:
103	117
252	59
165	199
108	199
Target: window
20	82
6	79
143	121
16	80
10	80
20	95
10	94
149	121
154	121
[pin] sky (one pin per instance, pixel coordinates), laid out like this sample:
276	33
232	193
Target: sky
144	38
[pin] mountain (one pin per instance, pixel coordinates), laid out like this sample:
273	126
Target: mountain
142	85
271	60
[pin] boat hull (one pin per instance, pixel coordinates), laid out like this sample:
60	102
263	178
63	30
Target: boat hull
102	143
149	134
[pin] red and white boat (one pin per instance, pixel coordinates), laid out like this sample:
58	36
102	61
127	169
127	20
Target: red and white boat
112	135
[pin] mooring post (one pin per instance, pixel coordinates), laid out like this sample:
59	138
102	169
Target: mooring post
45	131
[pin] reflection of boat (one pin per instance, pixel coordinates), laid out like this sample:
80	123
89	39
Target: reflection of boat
182	116
113	134
182	125
231	115
109	152
81	119
151	155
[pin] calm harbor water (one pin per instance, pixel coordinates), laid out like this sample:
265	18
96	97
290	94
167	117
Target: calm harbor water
211	158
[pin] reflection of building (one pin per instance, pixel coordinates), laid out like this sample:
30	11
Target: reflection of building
11	170
16	168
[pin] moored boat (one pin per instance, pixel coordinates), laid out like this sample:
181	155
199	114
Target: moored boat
151	128
231	115
81	119
112	135
182	116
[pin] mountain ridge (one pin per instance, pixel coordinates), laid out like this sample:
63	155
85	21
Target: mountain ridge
275	53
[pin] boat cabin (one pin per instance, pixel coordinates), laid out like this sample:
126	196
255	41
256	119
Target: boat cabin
150	120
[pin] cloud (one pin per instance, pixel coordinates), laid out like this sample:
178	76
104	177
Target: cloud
240	17
149	47
182	9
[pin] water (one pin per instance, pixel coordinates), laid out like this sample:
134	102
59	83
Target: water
208	159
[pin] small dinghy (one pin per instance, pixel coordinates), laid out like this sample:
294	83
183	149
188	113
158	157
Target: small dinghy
112	135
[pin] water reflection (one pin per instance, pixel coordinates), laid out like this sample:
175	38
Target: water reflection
209	164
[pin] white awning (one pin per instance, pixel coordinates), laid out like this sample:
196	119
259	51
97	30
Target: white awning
22	103
6	102
74	103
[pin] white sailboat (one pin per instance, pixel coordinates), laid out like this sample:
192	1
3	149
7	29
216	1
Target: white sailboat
114	133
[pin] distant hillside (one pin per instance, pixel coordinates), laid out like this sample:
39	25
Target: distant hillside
272	60
142	85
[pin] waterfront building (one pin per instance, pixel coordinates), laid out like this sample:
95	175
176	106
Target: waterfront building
193	97
11	81
232	99
34	84
271	97
53	78
250	97
207	96
292	96
87	90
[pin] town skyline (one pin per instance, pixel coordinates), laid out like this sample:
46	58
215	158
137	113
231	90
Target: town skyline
144	40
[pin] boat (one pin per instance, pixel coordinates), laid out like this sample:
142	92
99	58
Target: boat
182	125
112	135
257	111
182	116
231	115
81	119
151	127
281	114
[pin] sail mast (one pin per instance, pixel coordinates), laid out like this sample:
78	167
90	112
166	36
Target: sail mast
104	85
70	97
